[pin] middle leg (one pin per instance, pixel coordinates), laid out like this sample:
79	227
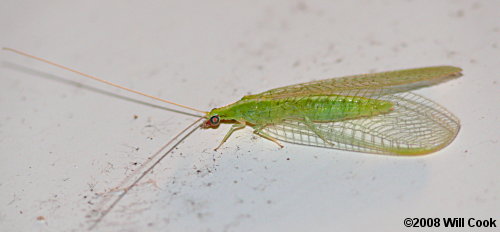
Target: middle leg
258	131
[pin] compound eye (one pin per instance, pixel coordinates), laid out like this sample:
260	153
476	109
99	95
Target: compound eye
215	120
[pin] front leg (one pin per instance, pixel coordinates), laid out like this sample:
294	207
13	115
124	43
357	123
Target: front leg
234	127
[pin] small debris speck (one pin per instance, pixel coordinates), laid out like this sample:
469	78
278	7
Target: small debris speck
301	6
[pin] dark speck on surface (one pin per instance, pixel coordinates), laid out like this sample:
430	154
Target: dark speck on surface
301	6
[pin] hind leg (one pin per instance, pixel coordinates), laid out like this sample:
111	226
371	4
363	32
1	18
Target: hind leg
316	131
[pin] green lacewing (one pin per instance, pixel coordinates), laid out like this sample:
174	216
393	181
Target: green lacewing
370	113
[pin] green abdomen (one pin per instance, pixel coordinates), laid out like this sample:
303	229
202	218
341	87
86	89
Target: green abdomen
316	108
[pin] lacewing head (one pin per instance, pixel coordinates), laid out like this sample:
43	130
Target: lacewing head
212	122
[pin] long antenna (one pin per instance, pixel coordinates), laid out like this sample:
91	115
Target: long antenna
99	79
148	170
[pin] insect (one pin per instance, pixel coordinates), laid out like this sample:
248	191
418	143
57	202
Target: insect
371	113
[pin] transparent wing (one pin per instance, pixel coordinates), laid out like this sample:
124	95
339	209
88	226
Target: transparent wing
415	126
368	84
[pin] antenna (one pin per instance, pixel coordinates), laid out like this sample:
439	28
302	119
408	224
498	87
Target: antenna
100	80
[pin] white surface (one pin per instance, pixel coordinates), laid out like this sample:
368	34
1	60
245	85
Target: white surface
64	138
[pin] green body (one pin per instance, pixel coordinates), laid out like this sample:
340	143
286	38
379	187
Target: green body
371	113
315	108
